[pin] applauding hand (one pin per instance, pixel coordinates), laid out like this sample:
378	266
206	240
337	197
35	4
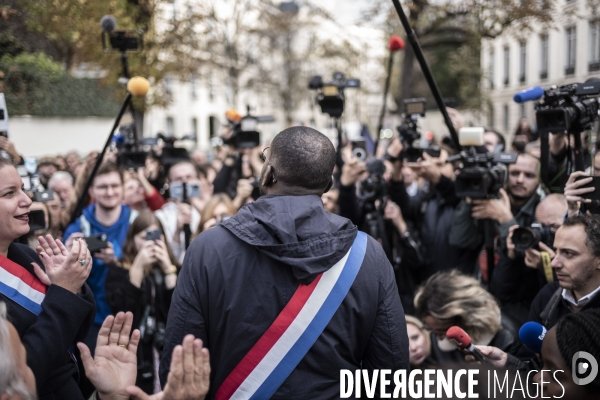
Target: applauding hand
63	268
189	377
114	366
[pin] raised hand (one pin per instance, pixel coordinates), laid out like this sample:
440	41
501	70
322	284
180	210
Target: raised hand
189	377
574	189
114	366
54	248
72	273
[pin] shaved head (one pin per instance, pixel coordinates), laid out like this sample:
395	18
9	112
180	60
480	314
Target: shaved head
302	157
551	211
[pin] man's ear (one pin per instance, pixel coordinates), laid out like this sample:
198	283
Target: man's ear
268	177
330	185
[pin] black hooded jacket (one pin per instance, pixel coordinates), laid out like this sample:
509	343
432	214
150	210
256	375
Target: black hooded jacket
237	277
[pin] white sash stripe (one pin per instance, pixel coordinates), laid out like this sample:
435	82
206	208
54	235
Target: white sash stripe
12	281
272	359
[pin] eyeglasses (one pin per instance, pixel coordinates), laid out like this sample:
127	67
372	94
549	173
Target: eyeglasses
104	188
263	156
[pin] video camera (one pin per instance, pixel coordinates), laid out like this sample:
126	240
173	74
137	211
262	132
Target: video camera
482	174
373	187
569	108
245	134
119	40
330	95
529	237
32	185
409	131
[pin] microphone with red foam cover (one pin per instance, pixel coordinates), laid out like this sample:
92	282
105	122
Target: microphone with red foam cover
396	43
464	343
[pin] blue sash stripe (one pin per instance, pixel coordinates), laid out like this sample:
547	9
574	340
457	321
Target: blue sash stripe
320	321
21	300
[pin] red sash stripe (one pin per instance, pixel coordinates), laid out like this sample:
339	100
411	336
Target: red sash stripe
267	340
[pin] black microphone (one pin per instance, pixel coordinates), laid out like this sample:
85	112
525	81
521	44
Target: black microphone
108	23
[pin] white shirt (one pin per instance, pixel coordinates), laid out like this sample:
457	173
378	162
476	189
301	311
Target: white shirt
168	218
568	296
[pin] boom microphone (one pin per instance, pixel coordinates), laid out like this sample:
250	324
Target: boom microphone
464	343
532	93
532	336
138	86
108	23
396	43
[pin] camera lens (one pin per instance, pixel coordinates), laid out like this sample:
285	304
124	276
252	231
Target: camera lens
525	238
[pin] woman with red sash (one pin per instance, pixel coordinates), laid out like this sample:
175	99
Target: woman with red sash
47	299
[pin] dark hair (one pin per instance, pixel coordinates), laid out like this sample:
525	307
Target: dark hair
591	224
108	168
302	157
501	140
580	332
141	222
5	162
181	163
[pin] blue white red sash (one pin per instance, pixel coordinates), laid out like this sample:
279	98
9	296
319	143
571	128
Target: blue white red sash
279	350
20	286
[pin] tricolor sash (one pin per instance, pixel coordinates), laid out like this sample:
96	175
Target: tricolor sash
279	350
21	286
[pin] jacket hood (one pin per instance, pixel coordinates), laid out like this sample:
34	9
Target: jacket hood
296	231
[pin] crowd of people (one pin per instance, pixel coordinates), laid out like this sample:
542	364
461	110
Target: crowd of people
141	261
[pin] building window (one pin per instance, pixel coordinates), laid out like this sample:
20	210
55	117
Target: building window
522	62
170	126
544	49
506	119
491	119
491	66
195	128
506	65
193	87
168	85
594	64
213	126
522	111
571	44
211	86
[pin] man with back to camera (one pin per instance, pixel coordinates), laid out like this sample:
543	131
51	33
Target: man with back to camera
245	280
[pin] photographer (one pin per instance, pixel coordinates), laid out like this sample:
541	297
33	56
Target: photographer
175	214
520	275
144	284
108	215
516	206
430	210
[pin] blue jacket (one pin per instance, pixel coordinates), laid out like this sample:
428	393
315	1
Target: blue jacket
88	225
237	277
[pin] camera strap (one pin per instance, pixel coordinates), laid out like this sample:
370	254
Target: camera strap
546	266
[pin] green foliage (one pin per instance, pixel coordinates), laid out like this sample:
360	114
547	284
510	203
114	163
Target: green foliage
36	85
